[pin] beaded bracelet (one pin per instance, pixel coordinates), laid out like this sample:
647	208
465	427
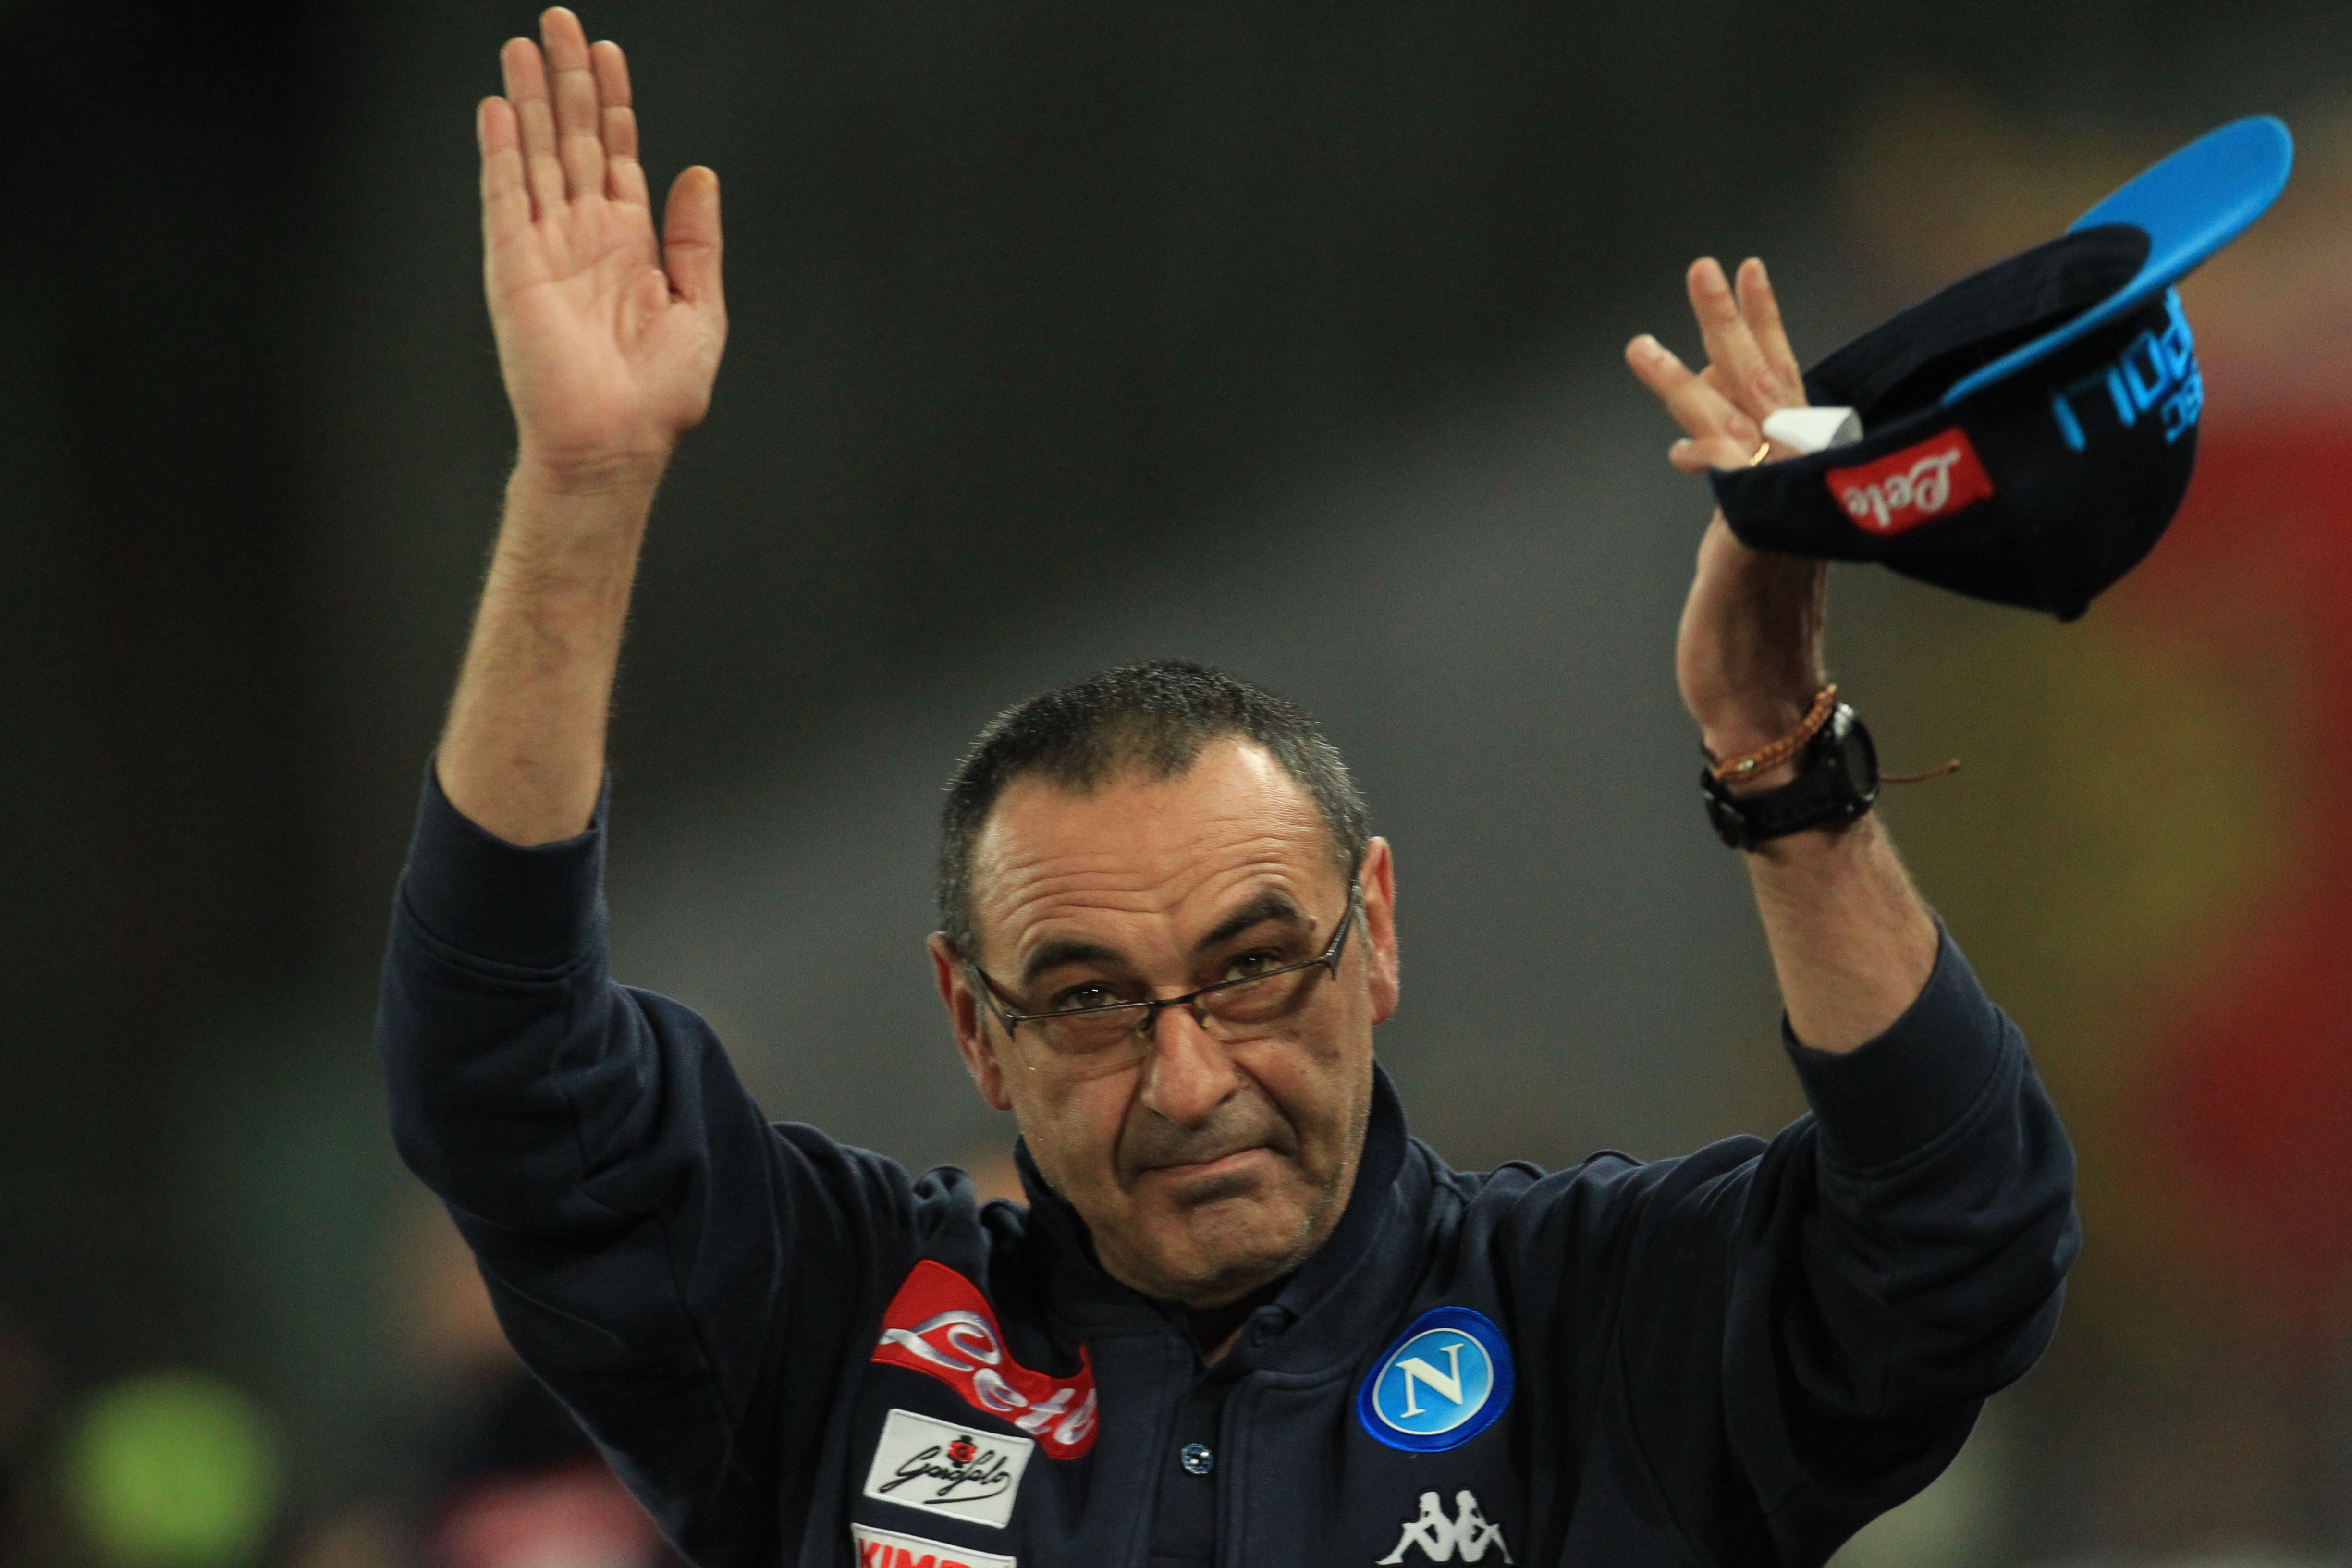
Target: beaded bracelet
1747	765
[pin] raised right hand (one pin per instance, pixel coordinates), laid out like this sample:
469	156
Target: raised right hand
608	337
1749	655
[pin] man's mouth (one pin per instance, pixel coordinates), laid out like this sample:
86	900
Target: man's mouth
1237	1166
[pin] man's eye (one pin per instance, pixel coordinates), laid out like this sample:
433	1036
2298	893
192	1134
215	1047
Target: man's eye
1078	999
1250	965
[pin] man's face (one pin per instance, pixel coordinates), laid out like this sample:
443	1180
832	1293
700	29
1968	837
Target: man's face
1206	1166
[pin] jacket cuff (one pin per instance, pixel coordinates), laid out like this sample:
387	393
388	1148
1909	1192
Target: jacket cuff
1897	1094
537	908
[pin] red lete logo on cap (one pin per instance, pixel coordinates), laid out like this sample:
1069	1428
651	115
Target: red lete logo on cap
1918	484
939	1324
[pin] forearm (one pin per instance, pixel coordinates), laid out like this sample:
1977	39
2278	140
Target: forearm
524	753
1853	942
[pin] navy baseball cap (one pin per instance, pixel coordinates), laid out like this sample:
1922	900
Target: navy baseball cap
2029	432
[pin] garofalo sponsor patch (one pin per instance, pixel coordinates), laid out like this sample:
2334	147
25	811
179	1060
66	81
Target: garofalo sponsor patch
940	1325
940	1468
888	1549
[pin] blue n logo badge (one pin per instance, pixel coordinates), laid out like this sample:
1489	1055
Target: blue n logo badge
1444	1380
1446	1385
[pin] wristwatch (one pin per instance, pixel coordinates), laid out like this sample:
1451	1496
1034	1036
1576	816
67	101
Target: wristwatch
1837	780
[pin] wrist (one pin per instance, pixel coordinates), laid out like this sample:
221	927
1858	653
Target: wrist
572	475
572	532
1753	725
1762	746
1818	846
1762	779
1825	773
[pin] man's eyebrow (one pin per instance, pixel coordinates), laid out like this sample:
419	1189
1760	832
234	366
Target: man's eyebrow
1066	950
1270	905
1273	904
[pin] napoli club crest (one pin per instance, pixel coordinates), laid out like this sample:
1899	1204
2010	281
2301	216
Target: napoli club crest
1444	1380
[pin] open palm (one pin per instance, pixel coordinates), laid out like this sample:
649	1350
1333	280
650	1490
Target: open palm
608	335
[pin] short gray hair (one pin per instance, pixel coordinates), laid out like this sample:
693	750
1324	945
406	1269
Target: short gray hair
1154	717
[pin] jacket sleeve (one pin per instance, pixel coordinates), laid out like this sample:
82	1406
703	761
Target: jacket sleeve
1883	1266
651	1243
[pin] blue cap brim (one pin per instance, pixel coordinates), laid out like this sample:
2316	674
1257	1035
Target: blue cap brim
2190	205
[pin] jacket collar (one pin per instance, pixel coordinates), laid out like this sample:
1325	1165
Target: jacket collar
1352	1286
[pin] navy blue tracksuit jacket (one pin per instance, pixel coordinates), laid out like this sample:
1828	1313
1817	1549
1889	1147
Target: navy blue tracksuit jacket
796	1353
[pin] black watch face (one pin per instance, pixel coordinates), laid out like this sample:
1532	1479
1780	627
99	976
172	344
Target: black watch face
1857	762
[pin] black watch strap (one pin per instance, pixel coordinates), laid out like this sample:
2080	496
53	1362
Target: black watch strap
1836	781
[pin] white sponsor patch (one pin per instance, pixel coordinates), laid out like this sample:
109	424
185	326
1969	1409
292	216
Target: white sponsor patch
888	1549
940	1468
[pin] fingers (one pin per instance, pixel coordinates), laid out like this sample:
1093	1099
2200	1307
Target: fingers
1689	456
1751	370
1720	434
579	128
1761	309
1746	377
625	178
612	68
692	247
506	200
526	82
575	128
1695	401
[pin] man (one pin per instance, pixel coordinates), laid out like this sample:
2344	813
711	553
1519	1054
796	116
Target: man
1244	1319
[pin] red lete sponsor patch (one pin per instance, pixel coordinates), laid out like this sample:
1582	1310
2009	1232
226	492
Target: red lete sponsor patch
1918	484
940	1325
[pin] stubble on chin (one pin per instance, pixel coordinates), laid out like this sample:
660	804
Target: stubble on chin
1213	1251
1221	1241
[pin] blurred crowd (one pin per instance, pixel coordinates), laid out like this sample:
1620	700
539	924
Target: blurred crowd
180	1469
175	1469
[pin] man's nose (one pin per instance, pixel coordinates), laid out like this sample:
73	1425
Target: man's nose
1187	1073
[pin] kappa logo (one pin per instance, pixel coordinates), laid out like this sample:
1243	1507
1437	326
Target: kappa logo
1918	484
1443	1382
942	1469
940	1325
1469	1535
888	1549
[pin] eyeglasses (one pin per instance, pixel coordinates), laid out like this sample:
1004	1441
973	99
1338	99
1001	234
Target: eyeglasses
1092	1038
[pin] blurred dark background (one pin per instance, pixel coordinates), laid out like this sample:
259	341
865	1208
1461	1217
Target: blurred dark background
1282	336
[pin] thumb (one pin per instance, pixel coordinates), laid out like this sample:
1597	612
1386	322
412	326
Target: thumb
690	241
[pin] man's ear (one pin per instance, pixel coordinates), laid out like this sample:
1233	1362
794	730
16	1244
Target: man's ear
970	1026
1384	976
